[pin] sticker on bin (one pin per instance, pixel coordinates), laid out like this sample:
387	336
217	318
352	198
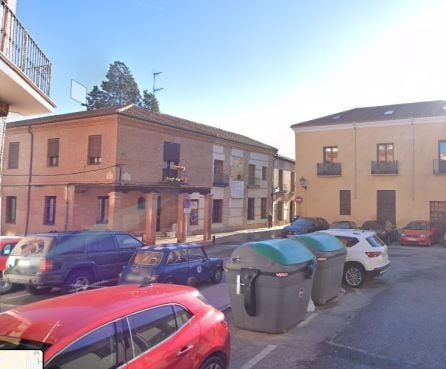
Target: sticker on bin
301	293
237	288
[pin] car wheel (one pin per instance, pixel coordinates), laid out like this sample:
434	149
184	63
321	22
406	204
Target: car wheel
354	275
77	281
218	275
213	362
34	290
5	286
170	281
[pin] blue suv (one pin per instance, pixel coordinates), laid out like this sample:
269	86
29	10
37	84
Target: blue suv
179	263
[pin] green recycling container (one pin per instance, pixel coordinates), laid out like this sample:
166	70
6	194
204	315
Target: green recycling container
270	284
330	255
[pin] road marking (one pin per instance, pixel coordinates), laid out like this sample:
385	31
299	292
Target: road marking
14	297
308	320
261	355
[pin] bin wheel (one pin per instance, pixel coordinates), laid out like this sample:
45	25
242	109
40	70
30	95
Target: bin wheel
354	275
217	276
213	362
33	290
170	281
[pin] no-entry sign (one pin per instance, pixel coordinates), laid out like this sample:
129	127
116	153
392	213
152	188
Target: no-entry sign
299	200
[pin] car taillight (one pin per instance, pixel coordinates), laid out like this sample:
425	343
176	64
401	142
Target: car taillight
281	275
321	259
46	266
373	254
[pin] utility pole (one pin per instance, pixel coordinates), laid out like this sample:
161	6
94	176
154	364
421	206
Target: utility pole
155	74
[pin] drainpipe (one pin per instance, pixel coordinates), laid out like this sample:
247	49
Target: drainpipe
413	158
30	174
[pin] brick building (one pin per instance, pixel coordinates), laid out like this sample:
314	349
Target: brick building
130	169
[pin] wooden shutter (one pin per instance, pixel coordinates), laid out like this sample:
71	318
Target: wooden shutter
53	147
345	202
13	155
171	152
94	146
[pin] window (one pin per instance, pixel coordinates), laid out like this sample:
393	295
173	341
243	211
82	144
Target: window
279	210
193	216
94	149
196	254
151	327
101	243
263	208
102	210
251	208
217	207
252	175
348	241
264	169
280	179
330	154
171	158
141	203
344	202
127	242
49	215
97	349
13	155
11	205
182	315
218	171
53	152
7	249
385	153
71	245
293	182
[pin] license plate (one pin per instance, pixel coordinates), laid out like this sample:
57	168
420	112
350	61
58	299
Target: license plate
24	263
411	239
134	278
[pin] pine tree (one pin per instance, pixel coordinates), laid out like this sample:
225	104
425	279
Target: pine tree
150	102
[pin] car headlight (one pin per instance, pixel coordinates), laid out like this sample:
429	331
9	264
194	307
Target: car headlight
403	235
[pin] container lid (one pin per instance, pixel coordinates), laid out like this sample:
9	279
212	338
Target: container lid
321	242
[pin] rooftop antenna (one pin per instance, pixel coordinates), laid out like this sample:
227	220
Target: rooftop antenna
154	90
78	92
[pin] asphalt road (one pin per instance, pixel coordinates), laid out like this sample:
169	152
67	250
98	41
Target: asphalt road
395	321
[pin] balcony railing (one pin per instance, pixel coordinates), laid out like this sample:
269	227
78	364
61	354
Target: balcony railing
174	175
22	51
253	181
328	169
388	167
439	167
220	179
282	188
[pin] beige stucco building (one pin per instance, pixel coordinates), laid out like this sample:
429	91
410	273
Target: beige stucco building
383	162
284	209
130	169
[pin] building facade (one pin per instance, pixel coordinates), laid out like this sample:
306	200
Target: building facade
130	169
284	209
383	162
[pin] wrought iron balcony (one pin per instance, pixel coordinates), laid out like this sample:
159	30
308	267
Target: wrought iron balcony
385	168
282	188
439	167
328	169
22	51
174	175
253	181
220	179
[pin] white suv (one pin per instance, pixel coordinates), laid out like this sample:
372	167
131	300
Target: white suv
366	255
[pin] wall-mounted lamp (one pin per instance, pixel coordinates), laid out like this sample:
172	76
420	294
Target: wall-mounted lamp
303	183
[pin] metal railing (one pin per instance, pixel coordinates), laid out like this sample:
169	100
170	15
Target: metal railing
282	188
253	181
439	167
22	51
174	175
328	169
221	179
388	167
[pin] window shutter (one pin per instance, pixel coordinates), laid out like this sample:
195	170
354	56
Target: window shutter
94	146
53	147
171	152
13	157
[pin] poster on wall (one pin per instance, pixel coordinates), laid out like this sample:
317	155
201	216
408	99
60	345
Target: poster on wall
193	217
237	189
237	169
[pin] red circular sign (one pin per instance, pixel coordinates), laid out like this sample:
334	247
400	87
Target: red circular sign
299	200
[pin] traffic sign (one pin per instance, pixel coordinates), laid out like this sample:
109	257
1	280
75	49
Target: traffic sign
299	200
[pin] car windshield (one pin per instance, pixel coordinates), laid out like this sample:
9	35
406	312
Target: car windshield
147	257
303	222
418	226
375	241
33	246
340	225
14	343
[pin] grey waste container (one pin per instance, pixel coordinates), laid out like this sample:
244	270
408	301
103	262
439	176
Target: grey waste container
330	255
270	284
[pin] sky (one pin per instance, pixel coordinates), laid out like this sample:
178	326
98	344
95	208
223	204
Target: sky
254	67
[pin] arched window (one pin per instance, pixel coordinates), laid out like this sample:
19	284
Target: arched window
141	203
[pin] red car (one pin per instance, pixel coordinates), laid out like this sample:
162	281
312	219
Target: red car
6	246
418	232
129	326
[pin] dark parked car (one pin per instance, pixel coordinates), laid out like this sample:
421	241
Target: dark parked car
343	224
70	260
305	225
387	234
6	245
181	264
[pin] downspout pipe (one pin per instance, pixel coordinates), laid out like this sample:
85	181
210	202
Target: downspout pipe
30	175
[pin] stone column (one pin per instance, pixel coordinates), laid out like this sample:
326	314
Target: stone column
114	210
181	218
151	210
207	227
